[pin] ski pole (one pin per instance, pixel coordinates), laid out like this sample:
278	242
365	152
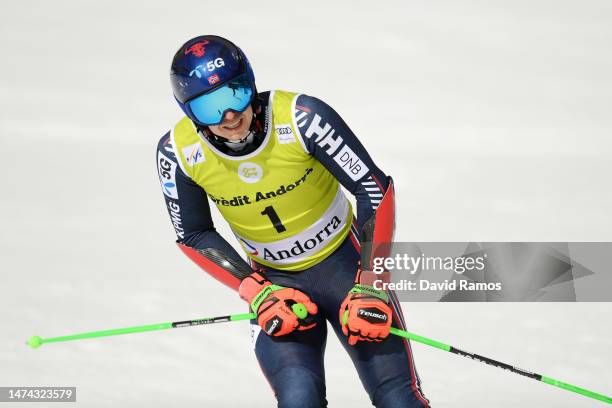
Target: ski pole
486	360
36	341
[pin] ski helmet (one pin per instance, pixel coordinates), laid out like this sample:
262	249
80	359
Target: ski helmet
210	76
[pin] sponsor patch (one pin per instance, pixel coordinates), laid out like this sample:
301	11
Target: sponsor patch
250	249
194	154
308	245
351	163
213	79
250	172
175	215
244	199
166	169
285	134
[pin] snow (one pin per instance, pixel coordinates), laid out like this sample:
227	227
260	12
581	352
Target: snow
493	118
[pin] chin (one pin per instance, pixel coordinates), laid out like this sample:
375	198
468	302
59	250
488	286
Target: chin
238	135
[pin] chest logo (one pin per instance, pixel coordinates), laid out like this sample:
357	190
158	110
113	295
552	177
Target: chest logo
250	172
193	154
284	134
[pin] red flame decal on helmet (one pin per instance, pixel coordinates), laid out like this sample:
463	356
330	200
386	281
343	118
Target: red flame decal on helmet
197	49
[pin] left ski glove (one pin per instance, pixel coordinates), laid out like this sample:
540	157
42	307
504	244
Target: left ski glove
273	303
365	314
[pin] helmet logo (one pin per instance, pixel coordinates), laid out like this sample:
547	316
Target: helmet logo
197	49
209	67
213	79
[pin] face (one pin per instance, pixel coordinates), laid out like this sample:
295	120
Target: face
235	126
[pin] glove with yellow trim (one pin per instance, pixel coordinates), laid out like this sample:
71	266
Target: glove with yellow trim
365	314
275	305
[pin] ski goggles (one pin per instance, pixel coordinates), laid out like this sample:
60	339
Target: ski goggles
235	95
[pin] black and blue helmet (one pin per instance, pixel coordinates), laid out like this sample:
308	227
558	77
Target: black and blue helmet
210	76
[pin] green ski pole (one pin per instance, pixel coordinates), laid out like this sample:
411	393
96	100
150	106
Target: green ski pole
36	341
489	361
486	360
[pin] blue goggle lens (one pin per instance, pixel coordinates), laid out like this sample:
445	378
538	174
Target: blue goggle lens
208	109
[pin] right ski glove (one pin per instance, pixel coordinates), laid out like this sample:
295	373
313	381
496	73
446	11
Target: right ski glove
273	305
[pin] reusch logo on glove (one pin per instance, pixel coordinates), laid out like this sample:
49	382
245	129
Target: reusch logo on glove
372	315
272	326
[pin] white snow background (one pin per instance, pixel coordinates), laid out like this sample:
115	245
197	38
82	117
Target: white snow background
493	117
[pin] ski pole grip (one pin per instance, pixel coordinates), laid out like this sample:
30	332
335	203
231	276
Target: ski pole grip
300	310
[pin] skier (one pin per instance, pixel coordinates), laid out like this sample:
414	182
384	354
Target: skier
273	163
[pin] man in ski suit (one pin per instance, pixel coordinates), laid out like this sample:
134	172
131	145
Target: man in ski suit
273	163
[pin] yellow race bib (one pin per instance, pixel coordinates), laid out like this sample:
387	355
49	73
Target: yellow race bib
286	209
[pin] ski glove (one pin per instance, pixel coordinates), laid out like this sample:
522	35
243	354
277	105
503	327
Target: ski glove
365	314
273	303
